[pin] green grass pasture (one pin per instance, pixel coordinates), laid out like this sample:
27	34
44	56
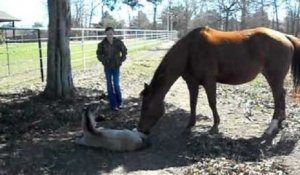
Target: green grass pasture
20	62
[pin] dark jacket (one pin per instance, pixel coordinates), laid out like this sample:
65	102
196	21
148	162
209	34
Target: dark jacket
111	55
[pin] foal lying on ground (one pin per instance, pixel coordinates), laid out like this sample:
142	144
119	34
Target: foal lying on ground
112	139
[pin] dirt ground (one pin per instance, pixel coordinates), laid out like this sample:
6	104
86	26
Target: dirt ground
37	136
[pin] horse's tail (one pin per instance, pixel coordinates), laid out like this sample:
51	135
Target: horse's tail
88	122
295	61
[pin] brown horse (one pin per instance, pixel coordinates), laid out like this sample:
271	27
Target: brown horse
206	56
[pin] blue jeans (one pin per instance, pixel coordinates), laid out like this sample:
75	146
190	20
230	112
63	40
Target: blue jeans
112	76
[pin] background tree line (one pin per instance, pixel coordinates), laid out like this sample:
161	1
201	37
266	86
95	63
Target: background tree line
234	14
84	10
184	15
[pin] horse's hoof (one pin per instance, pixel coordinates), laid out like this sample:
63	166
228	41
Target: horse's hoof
270	134
146	143
282	125
267	139
190	125
186	131
214	130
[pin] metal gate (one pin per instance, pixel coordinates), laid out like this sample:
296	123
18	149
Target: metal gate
20	56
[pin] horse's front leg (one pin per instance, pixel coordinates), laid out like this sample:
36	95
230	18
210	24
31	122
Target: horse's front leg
210	89
193	90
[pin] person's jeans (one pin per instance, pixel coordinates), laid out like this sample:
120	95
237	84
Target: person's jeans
112	76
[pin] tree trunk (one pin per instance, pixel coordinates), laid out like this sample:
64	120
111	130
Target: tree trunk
296	23
186	18
243	15
154	17
276	14
59	77
226	20
93	7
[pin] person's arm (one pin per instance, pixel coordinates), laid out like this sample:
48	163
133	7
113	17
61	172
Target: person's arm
100	53
123	51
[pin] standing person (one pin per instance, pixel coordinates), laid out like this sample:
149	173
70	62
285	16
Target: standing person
111	52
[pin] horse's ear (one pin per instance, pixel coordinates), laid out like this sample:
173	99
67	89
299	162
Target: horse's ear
146	86
142	93
145	90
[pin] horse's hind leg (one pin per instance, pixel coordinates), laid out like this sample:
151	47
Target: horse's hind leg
276	83
210	89
193	90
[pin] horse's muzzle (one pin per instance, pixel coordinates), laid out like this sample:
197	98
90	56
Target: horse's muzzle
144	132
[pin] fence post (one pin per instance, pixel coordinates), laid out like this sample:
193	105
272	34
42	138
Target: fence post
136	37
40	54
124	35
7	53
82	49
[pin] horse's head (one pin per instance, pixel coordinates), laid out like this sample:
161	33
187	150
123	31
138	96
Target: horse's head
152	109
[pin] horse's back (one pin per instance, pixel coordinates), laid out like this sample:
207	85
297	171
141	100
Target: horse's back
236	57
214	36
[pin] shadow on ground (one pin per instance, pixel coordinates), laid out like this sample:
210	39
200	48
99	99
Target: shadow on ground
36	137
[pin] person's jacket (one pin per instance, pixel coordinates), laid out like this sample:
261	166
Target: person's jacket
111	55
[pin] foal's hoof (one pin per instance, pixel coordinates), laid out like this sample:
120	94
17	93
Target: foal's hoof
100	118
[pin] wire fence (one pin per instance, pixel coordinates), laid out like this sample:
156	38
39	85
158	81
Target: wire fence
23	51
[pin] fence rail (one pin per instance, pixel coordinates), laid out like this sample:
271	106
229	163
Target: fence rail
23	51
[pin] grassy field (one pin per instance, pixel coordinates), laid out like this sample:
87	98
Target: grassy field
20	62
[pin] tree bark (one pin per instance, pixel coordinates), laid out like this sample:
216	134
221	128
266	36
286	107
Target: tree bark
226	20
59	77
244	13
93	7
275	3
154	17
296	24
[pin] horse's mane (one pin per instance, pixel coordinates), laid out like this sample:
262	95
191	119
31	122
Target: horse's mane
177	50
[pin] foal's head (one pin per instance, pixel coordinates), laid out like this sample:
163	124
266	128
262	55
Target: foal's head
152	109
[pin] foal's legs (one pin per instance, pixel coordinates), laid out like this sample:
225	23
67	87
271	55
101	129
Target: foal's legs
193	89
276	83
210	89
